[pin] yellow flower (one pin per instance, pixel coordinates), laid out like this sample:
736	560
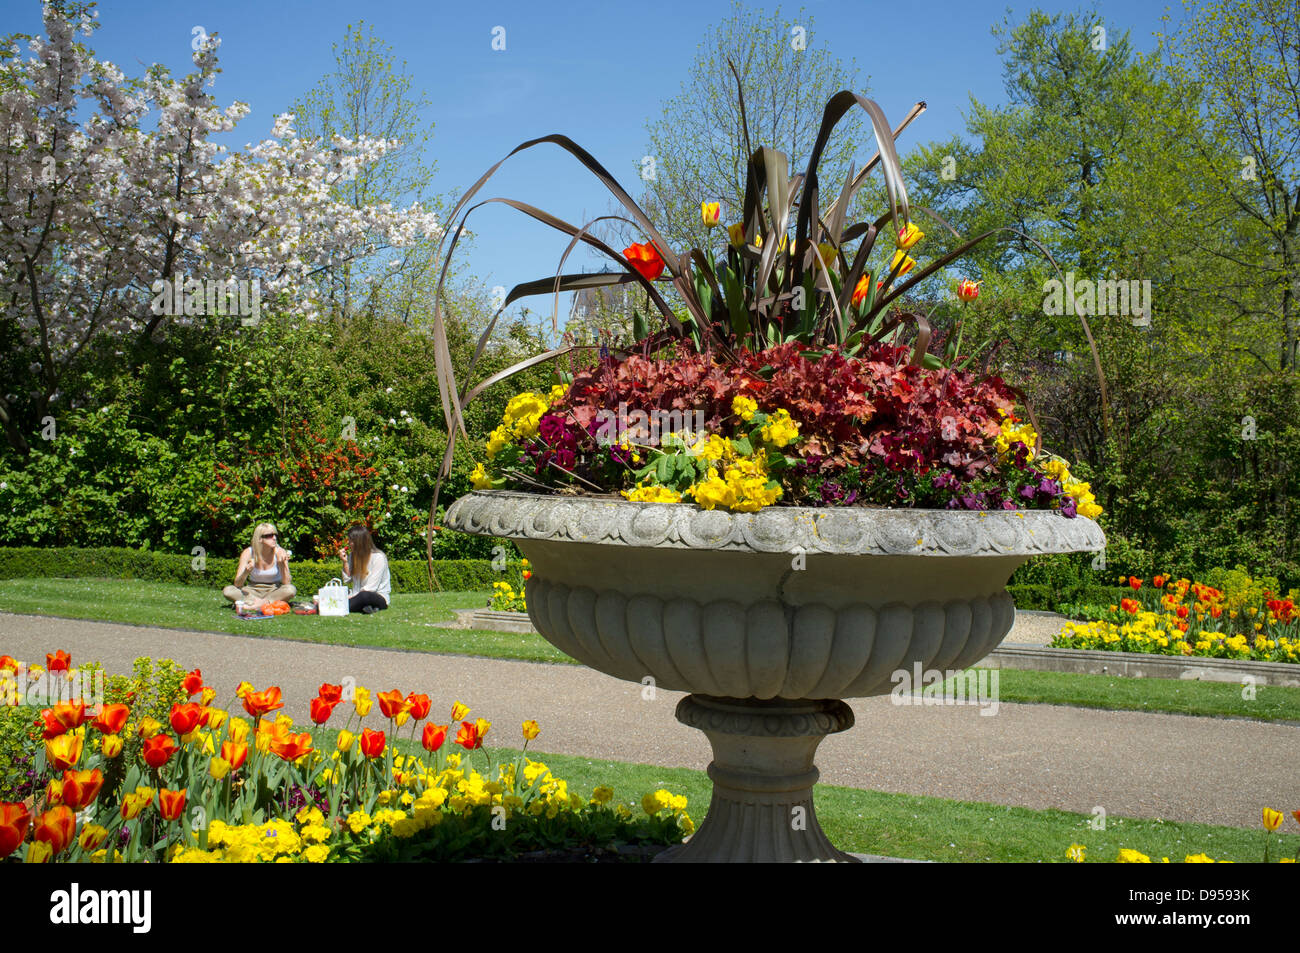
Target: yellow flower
362	701
710	212
686	824
38	852
92	835
531	730
602	795
111	746
653	493
238	730
1198	859
909	235
1272	819
902	261
744	407
827	253
316	854
780	430
479	478
148	727
245	688
345	739
358	821
458	711
652	804
737	234
218	768
1076	853
1127	856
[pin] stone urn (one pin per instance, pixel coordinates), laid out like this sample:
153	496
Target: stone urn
768	620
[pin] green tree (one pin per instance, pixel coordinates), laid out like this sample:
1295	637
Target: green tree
696	151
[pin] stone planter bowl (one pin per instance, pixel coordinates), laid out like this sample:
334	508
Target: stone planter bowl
768	619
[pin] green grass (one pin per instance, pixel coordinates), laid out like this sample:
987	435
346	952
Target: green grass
929	828
409	623
1271	702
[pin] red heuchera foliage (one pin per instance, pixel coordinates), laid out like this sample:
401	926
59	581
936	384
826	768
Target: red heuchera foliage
877	409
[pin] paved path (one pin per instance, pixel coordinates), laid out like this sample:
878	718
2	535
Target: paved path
1136	764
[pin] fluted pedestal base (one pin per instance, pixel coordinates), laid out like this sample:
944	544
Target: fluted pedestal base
763	774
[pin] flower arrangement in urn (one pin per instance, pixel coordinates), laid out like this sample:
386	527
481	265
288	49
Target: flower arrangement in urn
789	373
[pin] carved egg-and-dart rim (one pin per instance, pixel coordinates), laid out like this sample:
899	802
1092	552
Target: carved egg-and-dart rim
776	529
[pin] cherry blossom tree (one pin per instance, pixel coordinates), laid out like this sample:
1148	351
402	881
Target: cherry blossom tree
111	185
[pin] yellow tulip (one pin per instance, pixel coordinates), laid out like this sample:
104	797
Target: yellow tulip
909	235
459	711
710	212
238	730
531	730
902	261
38	852
362	701
218	768
111	746
1272	819
737	234
148	727
345	740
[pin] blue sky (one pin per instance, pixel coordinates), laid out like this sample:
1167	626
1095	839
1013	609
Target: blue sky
596	71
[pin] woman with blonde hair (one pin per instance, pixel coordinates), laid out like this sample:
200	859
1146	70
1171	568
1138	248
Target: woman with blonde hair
265	567
367	569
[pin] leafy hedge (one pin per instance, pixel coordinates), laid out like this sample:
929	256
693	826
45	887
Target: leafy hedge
408	575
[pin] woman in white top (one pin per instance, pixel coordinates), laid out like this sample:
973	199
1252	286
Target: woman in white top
265	566
366	568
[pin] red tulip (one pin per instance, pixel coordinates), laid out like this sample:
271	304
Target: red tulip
171	804
112	718
62	718
418	706
391	703
1216	611
1182	612
8	664
331	693
468	736
14	821
157	750
58	662
434	736
193	683
1134	582
321	710
645	259
1158	582
56	827
258	704
80	788
372	743
185	718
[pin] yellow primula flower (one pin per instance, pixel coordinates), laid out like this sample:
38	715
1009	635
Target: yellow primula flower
1076	853
744	407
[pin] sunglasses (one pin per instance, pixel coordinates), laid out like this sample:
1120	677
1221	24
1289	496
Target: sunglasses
270	536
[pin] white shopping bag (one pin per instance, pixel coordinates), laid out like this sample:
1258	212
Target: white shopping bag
332	599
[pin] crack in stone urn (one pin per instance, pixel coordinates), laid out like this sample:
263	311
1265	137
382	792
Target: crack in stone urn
768	620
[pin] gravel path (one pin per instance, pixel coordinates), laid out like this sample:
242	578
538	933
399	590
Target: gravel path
1135	764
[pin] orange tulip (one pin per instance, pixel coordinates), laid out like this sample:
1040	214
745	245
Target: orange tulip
861	290
331	693
112	718
64	751
8	663
193	683
171	804
1158	582
14	821
418	706
645	259
185	718
157	750
391	704
1216	611
1181	611
468	736
235	752
434	736
321	710
1134	583
54	792
62	717
56	827
291	747
80	788
258	704
372	743
58	662
968	290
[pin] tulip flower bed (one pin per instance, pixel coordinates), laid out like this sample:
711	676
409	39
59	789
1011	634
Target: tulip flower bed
1179	617
114	783
506	597
1272	821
